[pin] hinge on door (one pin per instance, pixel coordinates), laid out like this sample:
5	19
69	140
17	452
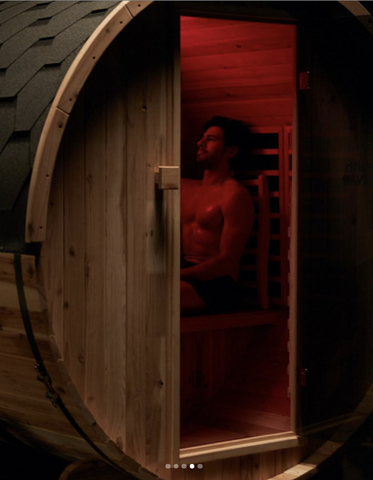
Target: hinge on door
303	377
304	81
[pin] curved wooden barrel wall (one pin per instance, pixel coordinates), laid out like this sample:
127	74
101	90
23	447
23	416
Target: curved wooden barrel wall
80	258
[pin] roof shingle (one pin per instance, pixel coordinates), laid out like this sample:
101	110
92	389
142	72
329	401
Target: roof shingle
38	43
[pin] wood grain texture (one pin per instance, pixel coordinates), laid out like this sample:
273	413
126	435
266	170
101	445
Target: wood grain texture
95	241
74	249
52	255
114	227
241	35
236	59
38	199
115	280
7	270
40	406
234	92
9	297
136	238
11	321
16	343
265	448
151	256
240	76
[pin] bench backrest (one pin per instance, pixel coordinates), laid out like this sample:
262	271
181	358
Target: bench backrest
259	249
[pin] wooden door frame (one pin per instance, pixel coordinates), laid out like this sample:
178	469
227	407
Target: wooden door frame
284	440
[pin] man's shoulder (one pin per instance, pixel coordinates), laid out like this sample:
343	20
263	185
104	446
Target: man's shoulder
234	187
235	193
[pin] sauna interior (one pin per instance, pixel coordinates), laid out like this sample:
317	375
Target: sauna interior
235	381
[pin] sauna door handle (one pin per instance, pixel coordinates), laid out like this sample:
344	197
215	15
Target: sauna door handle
167	178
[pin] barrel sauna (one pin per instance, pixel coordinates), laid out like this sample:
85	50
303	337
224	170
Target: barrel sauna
96	363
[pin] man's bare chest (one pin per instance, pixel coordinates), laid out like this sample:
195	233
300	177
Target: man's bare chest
202	207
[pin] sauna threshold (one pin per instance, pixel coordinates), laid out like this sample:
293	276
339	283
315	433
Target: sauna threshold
239	447
239	419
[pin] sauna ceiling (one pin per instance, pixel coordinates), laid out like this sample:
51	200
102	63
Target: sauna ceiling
38	43
241	69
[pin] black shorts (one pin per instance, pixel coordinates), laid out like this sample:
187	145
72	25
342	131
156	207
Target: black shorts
220	294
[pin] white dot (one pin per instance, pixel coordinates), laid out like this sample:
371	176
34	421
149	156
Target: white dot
176	465
200	465
168	465
191	465
184	465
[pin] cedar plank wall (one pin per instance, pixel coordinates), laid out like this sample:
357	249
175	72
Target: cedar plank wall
108	258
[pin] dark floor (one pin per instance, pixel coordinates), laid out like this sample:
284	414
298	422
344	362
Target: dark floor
353	462
20	462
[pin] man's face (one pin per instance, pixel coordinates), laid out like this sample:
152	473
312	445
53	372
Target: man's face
211	148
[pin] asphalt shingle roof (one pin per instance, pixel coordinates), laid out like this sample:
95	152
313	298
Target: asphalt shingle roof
38	43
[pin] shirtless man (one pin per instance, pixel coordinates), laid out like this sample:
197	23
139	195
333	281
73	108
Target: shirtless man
217	216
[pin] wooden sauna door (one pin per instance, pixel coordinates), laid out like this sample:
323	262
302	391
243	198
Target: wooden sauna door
152	130
335	218
111	258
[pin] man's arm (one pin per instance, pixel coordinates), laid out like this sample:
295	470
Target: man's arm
238	214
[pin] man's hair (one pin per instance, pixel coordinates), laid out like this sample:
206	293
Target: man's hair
236	133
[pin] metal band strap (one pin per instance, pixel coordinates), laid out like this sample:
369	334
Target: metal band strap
42	371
